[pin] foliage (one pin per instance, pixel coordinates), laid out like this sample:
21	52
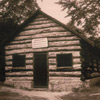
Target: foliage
12	14
6	29
84	13
19	10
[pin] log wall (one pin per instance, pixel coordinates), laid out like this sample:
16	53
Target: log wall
60	41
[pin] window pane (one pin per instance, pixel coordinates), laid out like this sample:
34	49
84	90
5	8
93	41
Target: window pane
64	60
18	60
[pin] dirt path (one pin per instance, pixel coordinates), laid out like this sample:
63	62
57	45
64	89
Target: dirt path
41	94
7	93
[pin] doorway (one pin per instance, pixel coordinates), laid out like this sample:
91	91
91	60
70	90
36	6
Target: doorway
40	70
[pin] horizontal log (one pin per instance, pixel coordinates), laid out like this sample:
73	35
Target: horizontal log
46	29
18	75
65	70
18	46
8	57
50	48
69	75
41	22
53	60
63	43
29	56
42	35
77	66
29	61
71	79
65	73
39	19
19	78
55	57
76	60
8	63
40	50
50	70
74	53
20	42
28	48
41	16
20	51
63	47
27	66
62	39
44	50
19	70
52	34
8	68
54	63
42	25
52	67
30	66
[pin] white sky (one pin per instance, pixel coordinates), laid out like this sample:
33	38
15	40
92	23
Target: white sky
52	9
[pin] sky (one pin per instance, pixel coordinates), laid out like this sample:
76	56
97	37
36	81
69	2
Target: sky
54	10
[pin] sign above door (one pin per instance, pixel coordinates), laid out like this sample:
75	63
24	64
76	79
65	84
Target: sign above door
39	43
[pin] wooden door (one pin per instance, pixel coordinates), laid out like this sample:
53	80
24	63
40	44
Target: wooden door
40	70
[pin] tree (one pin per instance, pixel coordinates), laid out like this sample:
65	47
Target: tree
19	10
84	13
12	14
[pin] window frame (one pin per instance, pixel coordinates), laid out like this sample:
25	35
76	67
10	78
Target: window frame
16	66
67	67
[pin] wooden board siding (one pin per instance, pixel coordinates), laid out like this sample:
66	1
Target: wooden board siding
60	41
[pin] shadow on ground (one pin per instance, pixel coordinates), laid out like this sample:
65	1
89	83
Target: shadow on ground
92	93
7	95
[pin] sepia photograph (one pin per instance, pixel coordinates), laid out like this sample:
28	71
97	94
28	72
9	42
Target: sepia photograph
49	49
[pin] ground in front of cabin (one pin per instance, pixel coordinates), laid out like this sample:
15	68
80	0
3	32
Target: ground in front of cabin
8	93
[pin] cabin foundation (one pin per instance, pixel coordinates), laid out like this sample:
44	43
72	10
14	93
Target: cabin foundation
55	84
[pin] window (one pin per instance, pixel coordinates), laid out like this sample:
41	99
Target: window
18	60
64	60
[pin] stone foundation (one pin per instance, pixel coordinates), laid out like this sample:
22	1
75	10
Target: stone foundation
55	84
20	84
64	84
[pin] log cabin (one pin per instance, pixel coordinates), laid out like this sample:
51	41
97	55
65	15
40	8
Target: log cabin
46	54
